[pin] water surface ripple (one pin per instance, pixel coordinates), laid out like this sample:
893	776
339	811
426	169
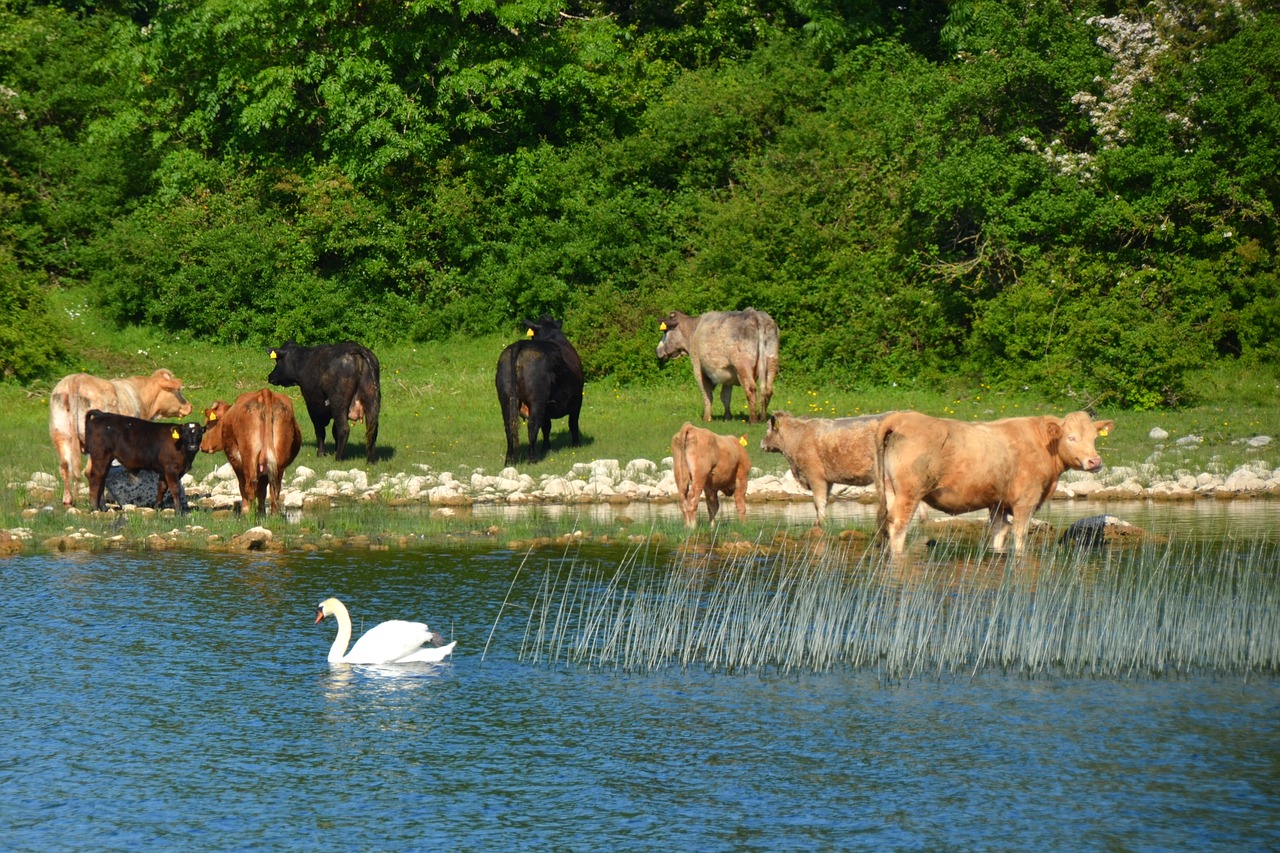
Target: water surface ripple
182	701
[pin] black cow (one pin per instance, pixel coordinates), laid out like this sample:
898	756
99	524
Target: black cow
339	382
540	377
138	445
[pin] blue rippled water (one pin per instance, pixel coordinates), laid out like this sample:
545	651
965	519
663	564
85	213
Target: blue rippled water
183	702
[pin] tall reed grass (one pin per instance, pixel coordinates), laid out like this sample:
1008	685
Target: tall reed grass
1157	610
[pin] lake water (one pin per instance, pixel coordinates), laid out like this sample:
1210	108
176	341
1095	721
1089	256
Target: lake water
181	701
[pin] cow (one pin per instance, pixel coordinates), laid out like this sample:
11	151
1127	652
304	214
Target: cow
260	436
706	464
148	397
138	445
823	451
1009	466
726	348
339	383
539	378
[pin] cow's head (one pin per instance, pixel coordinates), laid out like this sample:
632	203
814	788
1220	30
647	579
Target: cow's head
213	419
169	400
284	357
773	436
675	336
188	438
1076	434
545	328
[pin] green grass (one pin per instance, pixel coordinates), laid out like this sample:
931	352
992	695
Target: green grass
440	409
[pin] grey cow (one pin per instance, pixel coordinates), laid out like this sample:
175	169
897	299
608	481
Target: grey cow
726	348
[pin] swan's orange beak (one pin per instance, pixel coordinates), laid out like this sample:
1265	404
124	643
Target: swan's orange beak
319	615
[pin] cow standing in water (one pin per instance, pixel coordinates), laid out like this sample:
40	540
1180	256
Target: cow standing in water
706	464
1005	466
339	383
726	348
147	397
539	378
823	451
260	437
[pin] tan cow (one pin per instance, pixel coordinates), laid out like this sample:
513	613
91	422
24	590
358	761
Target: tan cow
824	451
148	397
706	463
1005	466
726	348
260	437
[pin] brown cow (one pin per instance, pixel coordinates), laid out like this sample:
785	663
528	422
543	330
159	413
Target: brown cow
823	451
147	397
139	445
707	463
1005	466
726	348
260	437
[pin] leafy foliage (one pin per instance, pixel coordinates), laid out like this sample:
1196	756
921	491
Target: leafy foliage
1074	197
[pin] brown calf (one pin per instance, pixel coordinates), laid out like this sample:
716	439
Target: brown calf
707	463
260	437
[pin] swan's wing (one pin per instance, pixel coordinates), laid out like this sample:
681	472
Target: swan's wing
434	654
390	641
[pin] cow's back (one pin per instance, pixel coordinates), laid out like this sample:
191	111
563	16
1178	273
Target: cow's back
847	448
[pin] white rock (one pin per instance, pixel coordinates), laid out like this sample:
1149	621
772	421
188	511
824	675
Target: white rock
1187	440
44	480
1157	434
302	473
1260	441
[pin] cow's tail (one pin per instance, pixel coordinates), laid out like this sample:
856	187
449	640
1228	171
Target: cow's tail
267	464
767	359
369	393
885	491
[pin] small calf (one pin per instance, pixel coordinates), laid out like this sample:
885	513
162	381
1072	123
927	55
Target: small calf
138	445
707	463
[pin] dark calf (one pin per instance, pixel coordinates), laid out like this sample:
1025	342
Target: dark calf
138	445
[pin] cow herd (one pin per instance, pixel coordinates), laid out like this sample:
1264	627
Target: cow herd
111	421
1008	467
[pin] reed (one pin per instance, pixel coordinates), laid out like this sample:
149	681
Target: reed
1172	609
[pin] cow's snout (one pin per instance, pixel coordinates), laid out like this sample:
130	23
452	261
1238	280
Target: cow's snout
1092	463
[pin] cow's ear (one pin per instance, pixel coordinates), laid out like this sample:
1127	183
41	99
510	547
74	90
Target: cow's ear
176	434
274	354
1104	427
1054	428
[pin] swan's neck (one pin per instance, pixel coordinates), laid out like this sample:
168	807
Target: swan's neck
339	648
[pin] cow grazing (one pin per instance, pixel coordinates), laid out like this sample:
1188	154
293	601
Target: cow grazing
138	445
824	451
539	378
260	436
1005	466
339	383
706	464
726	348
148	397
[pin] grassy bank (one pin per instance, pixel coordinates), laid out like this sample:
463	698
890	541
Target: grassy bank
440	410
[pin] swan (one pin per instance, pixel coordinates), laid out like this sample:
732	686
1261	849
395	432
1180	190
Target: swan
394	641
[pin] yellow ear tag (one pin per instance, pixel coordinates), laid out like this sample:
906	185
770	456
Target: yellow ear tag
213	416
662	327
177	434
1102	432
274	355
743	441
529	334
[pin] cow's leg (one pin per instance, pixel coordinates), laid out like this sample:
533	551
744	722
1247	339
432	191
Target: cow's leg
341	432
999	527
511	424
96	482
706	386
575	437
170	481
713	500
1021	522
68	466
319	419
726	400
692	493
821	493
261	486
536	416
740	498
746	375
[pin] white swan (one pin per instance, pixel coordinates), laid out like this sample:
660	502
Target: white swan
395	641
